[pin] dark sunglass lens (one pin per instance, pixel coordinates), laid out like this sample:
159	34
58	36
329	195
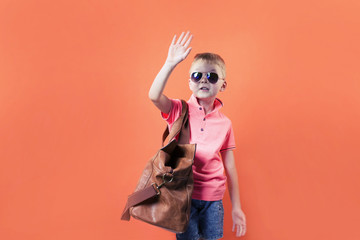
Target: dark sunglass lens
212	77
196	76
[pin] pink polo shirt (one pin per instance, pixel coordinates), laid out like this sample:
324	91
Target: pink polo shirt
212	133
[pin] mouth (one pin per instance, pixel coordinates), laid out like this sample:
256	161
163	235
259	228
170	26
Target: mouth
204	89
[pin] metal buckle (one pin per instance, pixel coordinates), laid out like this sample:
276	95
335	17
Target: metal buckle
156	188
165	181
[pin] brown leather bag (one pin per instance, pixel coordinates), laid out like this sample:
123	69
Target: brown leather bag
163	194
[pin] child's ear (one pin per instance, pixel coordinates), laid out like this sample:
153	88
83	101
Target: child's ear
190	84
223	86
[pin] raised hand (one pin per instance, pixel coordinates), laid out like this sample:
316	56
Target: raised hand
179	50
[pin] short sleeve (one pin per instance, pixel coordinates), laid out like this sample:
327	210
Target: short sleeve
175	112
229	142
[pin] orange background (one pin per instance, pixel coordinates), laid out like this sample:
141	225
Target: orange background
76	126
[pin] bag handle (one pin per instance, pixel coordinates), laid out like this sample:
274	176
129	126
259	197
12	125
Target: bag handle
180	127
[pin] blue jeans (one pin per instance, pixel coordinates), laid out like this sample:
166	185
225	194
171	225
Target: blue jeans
206	221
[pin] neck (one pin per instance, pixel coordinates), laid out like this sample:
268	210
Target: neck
207	104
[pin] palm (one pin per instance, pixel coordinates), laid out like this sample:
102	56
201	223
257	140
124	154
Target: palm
239	222
179	50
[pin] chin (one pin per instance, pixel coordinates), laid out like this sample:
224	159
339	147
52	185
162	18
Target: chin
204	95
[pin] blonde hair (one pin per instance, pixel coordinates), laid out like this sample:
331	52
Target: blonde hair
211	58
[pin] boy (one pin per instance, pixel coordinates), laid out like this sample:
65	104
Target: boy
212	132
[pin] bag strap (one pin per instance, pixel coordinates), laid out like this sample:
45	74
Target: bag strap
139	197
180	127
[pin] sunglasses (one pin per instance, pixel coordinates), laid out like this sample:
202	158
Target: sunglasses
210	76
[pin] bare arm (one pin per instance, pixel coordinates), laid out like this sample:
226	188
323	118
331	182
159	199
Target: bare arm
239	220
178	51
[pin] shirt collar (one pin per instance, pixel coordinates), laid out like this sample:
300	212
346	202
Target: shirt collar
194	103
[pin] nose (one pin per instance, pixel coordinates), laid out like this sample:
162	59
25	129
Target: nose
203	78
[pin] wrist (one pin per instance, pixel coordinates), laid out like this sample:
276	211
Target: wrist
169	65
236	206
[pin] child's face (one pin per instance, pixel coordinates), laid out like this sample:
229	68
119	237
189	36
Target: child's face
203	89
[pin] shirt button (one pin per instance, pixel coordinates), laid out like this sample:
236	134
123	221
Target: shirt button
202	129
204	119
200	108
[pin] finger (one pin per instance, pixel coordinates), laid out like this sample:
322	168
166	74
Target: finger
173	41
233	228
243	230
180	38
238	231
187	52
188	41
184	39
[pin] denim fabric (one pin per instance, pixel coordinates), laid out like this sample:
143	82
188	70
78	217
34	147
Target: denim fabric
206	221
